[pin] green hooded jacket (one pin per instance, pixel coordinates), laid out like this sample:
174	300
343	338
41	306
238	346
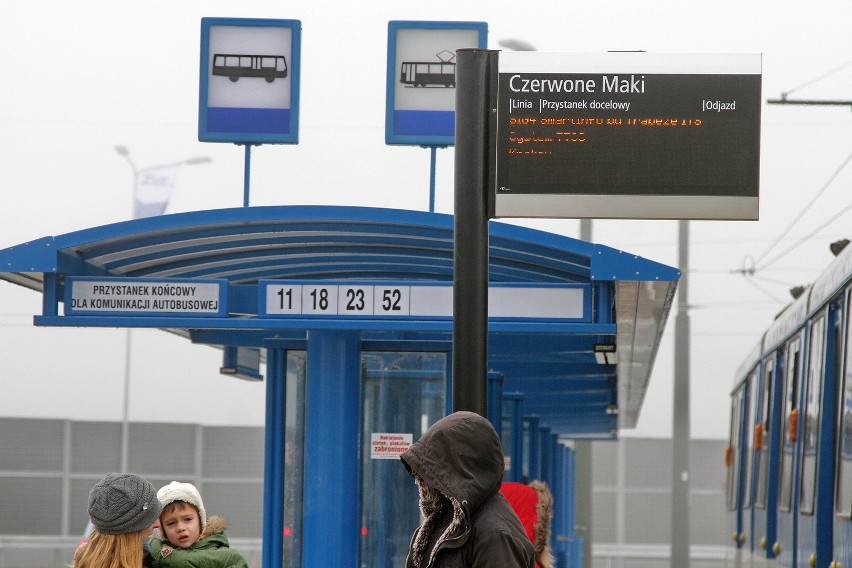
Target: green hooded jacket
209	551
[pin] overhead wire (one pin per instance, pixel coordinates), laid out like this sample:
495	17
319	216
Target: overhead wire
757	263
764	291
815	79
808	236
756	266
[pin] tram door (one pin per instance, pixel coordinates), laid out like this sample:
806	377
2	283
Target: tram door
402	394
843	494
733	463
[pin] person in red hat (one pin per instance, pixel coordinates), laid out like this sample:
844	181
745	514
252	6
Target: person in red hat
533	504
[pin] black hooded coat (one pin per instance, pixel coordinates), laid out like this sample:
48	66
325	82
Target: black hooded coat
460	456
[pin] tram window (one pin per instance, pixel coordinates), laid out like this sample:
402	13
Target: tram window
732	459
750	423
788	436
810	426
844	462
763	435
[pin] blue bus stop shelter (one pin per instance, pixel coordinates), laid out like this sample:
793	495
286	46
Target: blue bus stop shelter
567	371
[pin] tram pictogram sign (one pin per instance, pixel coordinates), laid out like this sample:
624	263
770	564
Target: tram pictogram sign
421	79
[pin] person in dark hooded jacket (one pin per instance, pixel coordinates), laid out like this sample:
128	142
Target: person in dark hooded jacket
458	467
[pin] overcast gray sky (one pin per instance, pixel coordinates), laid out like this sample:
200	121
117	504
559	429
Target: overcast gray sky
77	78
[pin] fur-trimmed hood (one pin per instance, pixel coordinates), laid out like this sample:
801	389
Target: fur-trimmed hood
460	456
458	466
215	525
533	504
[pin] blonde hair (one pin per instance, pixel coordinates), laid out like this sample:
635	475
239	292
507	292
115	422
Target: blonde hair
111	551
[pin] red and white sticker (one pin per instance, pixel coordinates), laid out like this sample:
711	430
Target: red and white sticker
388	446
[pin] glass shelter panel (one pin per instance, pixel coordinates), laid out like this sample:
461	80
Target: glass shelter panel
810	433
402	394
844	463
294	444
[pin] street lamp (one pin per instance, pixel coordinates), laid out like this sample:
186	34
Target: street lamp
125	424
156	187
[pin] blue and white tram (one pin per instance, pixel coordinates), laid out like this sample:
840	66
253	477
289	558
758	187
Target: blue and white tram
789	455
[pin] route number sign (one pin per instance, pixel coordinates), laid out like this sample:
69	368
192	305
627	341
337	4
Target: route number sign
278	298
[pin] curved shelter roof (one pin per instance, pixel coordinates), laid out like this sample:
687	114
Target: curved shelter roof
551	363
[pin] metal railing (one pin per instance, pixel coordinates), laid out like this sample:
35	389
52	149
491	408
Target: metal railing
606	555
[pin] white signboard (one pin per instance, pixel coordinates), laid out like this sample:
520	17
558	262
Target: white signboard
151	297
402	299
388	446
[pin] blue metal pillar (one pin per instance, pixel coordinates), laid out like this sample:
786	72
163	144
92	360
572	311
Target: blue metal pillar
332	466
495	401
514	404
273	470
534	453
561	504
546	455
575	542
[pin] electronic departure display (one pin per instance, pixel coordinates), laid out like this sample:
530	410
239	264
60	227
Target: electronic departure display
628	135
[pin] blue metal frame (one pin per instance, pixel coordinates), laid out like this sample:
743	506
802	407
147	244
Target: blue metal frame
332	459
495	401
238	118
533	462
241	362
513	407
423	132
243	245
825	470
273	464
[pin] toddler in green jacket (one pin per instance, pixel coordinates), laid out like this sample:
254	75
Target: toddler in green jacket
188	539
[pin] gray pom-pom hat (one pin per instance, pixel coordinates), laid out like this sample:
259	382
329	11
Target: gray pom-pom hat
123	503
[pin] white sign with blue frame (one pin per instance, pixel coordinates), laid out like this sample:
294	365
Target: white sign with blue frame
249	81
421	79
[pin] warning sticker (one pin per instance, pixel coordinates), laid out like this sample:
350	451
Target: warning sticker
388	446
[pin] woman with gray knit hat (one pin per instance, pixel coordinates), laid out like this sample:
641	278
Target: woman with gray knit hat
124	510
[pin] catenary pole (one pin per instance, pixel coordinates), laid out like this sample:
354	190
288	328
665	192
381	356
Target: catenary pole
680	411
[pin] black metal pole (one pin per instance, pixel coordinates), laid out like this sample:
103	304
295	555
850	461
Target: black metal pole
476	77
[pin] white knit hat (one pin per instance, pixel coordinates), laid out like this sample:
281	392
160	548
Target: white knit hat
186	492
